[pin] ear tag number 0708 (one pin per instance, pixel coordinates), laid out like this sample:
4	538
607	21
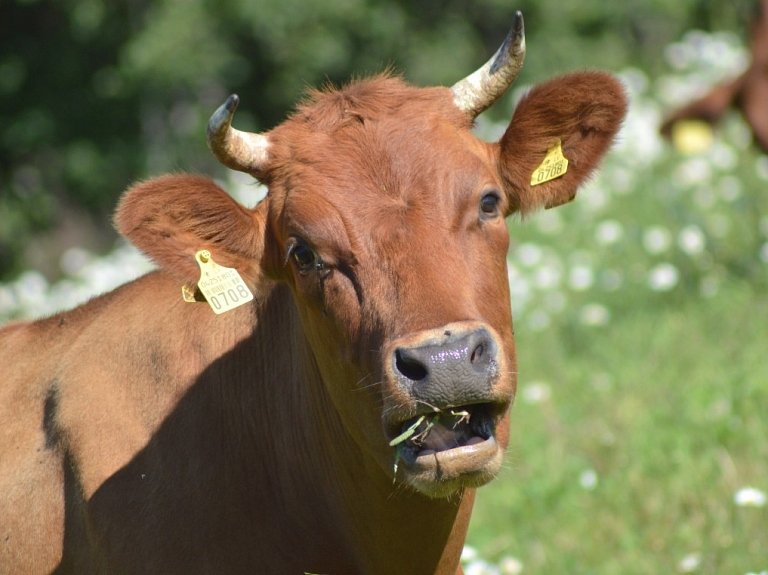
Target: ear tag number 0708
222	287
555	164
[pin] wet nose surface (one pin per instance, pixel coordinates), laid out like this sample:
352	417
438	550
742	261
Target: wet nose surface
459	369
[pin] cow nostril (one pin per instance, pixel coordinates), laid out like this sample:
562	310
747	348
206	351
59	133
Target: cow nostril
478	353
410	367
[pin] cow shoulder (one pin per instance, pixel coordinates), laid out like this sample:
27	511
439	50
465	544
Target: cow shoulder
172	217
583	110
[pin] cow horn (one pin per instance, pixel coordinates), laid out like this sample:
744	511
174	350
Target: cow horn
241	151
478	91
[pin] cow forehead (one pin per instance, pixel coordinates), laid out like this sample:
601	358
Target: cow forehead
386	150
375	197
380	130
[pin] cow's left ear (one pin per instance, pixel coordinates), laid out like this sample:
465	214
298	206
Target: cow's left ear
582	111
172	217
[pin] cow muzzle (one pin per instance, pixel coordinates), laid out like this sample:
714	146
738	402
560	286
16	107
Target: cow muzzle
449	390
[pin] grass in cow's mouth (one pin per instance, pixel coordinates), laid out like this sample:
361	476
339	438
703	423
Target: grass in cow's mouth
408	433
415	435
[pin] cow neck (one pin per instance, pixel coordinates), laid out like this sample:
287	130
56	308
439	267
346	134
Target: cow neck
334	481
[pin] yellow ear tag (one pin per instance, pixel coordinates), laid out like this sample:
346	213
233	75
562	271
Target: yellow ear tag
222	287
188	293
553	166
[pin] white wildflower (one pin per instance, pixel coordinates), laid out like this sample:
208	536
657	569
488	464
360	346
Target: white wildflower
696	170
723	156
764	253
580	278
529	254
608	232
656	240
546	277
468	553
750	497
691	240
761	167
663	277
537	392
511	566
588	479
73	260
595	314
689	563
480	567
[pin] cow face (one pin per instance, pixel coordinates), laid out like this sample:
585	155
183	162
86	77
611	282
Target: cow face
385	216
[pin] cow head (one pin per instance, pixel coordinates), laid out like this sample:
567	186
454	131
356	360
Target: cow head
386	217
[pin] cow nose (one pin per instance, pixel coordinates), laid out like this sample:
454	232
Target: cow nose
458	370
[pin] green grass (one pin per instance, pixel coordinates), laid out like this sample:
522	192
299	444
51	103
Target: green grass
668	405
641	317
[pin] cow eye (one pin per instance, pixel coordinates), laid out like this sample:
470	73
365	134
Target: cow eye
489	204
304	257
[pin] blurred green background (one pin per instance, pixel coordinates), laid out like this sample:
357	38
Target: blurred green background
95	94
640	430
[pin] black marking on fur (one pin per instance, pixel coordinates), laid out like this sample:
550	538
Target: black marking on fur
50	409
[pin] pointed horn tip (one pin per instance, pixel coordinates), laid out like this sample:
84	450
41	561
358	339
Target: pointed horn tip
517	32
518	25
232	103
513	48
222	117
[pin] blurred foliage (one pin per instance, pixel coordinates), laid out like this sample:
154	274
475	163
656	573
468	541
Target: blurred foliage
96	94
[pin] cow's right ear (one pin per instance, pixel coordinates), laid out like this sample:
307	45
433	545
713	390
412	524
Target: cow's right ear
582	111
172	217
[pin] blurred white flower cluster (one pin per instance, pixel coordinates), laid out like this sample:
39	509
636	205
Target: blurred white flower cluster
474	565
87	275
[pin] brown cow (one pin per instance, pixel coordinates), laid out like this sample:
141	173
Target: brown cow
749	91
145	434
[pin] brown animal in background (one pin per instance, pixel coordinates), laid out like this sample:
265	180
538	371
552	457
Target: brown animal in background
144	434
748	92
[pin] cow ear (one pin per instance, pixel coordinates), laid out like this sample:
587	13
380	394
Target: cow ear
173	217
583	111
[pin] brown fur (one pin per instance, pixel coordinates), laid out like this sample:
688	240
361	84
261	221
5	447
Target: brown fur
143	434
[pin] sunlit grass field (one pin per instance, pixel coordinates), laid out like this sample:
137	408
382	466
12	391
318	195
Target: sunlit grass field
630	441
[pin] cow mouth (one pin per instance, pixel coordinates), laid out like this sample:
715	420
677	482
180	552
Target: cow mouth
448	449
445	430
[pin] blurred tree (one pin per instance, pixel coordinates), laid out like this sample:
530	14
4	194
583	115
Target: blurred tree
97	93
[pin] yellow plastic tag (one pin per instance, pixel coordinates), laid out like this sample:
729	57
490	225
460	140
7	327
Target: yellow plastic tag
692	137
553	166
190	293
222	287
